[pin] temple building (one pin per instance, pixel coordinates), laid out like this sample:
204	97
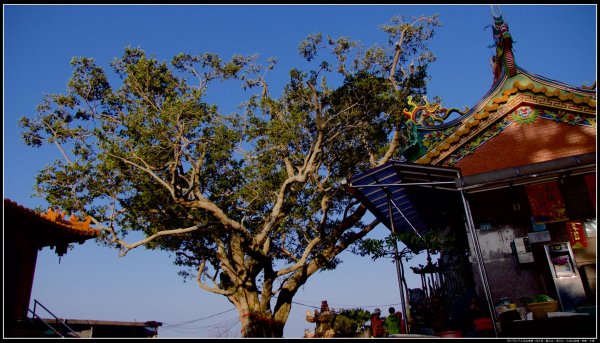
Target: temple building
513	179
25	233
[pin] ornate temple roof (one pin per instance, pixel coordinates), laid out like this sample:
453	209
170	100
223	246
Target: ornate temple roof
516	96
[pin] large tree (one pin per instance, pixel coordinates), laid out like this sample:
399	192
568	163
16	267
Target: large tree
251	204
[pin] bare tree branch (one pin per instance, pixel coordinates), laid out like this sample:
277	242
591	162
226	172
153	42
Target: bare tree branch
302	260
205	287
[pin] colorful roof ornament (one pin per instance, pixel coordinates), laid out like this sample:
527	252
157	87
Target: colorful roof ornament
72	224
420	117
429	114
504	59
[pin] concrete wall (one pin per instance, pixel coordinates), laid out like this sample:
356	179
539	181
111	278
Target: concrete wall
506	276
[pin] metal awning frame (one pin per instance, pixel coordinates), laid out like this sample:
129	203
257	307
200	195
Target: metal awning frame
470	226
374	186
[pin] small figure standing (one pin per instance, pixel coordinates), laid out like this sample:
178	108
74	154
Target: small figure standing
394	324
376	324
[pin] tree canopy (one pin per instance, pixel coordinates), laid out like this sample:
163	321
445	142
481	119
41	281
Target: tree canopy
250	203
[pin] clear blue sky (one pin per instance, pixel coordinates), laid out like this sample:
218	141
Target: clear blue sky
92	282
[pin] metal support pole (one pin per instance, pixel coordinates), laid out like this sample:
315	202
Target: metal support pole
399	271
480	264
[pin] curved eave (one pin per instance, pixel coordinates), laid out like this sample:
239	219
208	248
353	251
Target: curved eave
500	101
46	232
496	87
557	84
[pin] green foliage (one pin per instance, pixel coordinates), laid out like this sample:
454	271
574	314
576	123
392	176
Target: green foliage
434	240
347	321
384	248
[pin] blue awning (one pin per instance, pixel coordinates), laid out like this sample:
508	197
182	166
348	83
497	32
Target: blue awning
417	195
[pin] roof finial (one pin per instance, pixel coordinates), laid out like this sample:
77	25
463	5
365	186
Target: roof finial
497	8
504	59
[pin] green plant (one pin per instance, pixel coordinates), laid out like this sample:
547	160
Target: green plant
347	322
435	240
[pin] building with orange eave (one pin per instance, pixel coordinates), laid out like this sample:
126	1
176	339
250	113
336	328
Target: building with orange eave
25	233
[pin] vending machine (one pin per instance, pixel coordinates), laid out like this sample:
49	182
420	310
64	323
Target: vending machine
565	276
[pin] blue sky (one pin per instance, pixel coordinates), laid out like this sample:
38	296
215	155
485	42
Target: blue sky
92	282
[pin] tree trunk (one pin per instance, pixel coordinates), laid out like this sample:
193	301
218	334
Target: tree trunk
257	324
261	322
